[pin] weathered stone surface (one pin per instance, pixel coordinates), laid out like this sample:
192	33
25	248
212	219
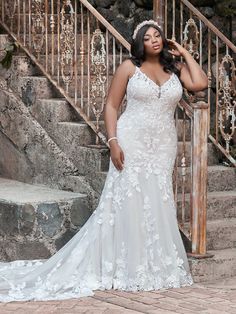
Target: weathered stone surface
49	218
221	234
79	213
38	217
14	163
33	150
26	218
220	205
148	4
203	3
24	66
9	214
89	159
65	237
32	88
124	7
221	265
208	12
212	155
47	111
13	249
104	3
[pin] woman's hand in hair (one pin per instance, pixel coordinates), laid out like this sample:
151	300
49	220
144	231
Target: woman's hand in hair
175	48
192	76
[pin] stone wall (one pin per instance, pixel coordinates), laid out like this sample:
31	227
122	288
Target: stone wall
27	152
125	14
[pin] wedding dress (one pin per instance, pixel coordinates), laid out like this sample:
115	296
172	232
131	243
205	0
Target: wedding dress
131	241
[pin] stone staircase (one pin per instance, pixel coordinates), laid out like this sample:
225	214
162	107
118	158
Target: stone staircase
75	139
36	221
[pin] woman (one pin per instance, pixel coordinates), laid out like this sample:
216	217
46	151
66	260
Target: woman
131	241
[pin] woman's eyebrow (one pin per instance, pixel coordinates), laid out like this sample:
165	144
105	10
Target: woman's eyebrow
150	35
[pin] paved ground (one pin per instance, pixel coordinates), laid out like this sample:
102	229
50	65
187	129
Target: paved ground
208	298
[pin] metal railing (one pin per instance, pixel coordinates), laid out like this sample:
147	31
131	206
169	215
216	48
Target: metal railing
78	51
74	47
215	53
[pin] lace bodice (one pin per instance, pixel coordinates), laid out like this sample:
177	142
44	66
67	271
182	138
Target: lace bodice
150	105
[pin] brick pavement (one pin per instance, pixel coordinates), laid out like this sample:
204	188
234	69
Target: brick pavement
208	298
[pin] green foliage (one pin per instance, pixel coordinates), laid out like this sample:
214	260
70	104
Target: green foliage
226	7
10	48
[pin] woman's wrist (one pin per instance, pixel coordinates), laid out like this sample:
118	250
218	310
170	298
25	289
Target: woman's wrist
184	53
112	141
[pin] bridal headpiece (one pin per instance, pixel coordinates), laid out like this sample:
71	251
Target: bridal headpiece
146	22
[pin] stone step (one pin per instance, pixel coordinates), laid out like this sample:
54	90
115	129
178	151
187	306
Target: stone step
88	159
221	265
221	234
53	110
26	67
77	134
36	220
220	178
59	110
30	88
77	154
220	205
212	158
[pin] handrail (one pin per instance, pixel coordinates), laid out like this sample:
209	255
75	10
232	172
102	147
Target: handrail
209	25
110	28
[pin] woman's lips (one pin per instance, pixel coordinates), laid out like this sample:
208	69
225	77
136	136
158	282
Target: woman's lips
156	47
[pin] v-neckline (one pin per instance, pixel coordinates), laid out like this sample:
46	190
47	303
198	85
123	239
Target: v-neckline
157	85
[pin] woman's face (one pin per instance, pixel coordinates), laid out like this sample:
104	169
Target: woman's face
152	40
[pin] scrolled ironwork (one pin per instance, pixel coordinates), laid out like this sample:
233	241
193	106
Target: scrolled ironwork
67	38
227	102
191	38
10	9
38	25
98	69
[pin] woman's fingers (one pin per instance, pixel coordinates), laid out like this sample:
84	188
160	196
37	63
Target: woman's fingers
117	157
118	163
122	157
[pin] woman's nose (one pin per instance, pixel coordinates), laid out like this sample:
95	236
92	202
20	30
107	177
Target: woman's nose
154	39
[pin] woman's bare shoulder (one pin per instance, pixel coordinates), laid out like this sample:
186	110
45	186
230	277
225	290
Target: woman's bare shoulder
127	68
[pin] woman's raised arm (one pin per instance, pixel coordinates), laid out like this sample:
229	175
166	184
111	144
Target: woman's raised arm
191	74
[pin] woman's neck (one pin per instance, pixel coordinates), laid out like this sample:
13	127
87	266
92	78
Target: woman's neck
152	59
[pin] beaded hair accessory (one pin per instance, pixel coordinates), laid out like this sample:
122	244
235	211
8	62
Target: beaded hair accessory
146	22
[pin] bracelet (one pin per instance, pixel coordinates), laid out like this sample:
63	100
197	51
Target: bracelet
112	138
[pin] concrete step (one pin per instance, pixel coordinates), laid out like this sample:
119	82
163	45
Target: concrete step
212	158
220	205
220	178
88	159
221	265
52	111
30	88
77	154
221	234
26	67
36	221
4	40
74	134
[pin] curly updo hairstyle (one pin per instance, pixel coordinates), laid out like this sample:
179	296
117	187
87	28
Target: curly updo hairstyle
138	53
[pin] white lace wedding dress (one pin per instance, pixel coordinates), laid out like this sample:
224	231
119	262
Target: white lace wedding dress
131	241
